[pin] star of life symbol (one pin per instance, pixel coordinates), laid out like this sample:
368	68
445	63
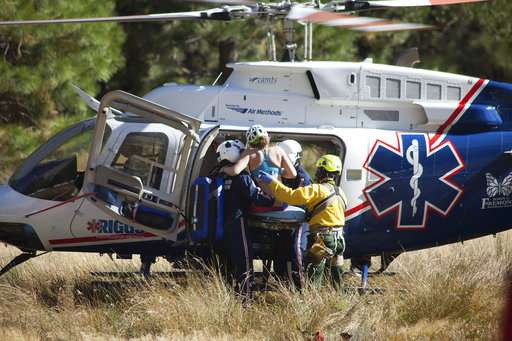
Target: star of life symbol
414	179
93	226
498	192
412	154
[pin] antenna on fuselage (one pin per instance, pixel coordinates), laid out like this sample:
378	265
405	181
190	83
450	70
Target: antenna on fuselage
271	42
291	46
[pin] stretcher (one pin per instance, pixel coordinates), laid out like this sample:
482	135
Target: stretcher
286	218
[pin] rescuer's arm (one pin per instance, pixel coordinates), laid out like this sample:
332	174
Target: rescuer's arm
253	193
301	180
298	196
238	167
289	171
291	183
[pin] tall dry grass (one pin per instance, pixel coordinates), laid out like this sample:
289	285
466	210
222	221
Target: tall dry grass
448	293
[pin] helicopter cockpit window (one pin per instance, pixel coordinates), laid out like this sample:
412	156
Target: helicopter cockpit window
56	170
143	155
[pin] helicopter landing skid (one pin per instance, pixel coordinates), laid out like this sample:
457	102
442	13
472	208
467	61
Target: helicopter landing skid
174	274
20	259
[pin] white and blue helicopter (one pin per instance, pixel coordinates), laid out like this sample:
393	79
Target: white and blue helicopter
427	155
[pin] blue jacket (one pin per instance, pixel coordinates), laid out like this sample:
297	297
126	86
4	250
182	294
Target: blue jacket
240	193
303	179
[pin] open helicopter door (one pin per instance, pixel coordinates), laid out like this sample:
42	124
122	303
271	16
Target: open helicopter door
199	194
131	198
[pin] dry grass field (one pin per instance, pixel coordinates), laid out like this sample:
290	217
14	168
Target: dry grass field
449	293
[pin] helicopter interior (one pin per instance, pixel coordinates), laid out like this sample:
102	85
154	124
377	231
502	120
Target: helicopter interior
268	221
313	146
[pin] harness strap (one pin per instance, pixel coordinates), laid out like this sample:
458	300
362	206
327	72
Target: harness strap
340	195
322	205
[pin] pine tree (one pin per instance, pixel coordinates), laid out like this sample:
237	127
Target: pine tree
467	39
39	63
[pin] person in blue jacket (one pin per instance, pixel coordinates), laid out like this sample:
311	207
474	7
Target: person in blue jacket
240	193
296	241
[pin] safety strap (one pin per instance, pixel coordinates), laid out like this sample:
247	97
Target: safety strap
322	205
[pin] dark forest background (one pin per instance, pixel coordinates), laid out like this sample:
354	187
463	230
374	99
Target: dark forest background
38	64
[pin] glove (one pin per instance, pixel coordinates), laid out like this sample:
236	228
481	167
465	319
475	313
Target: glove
264	177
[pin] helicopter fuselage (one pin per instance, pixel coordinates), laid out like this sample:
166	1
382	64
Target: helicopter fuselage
427	158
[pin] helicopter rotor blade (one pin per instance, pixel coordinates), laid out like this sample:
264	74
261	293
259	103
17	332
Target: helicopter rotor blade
225	2
416	3
350	22
240	9
226	13
361	5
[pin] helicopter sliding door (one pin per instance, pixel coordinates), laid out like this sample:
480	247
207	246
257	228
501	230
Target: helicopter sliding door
141	188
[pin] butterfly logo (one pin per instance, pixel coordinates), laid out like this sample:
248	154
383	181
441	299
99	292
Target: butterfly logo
495	187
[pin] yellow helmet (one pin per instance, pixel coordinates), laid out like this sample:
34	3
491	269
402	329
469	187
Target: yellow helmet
330	163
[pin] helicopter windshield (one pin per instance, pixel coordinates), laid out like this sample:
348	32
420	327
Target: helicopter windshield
55	170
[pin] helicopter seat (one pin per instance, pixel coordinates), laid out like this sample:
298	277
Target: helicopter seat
280	218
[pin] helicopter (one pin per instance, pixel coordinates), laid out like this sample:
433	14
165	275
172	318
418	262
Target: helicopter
426	154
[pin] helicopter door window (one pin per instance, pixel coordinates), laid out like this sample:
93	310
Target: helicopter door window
143	155
413	90
434	91
393	88
453	93
373	84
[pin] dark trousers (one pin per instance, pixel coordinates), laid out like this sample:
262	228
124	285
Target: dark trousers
238	251
289	254
299	252
281	255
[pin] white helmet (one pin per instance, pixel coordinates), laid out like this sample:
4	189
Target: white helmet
239	144
293	149
229	150
255	133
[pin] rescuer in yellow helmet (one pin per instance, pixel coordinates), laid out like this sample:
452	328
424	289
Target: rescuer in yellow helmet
325	204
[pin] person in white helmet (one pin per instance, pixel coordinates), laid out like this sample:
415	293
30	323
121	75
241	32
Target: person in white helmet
293	244
259	156
293	150
240	193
